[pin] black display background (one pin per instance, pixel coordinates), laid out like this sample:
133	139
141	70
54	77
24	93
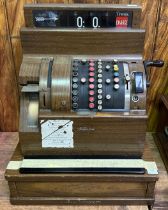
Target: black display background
61	19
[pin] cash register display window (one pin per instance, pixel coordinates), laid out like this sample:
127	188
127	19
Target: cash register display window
82	19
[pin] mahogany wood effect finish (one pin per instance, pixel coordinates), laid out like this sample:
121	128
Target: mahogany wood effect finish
153	19
28	8
161	137
82	42
91	136
90	189
9	140
30	70
9	89
102	133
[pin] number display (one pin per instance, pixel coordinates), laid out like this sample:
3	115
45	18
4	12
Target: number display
82	19
79	21
95	22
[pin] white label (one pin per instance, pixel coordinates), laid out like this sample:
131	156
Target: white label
57	133
14	165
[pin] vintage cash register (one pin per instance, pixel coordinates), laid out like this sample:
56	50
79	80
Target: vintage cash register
83	85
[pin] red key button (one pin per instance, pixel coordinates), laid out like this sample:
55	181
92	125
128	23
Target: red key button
91	74
91	105
91	69
91	92
91	64
91	99
116	80
91	79
91	60
91	86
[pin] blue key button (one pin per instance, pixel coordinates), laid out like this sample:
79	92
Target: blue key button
116	74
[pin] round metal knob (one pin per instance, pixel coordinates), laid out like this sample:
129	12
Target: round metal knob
107	67
99	107
115	61
100	80
83	61
108	97
99	96
127	78
108	81
116	86
83	80
75	79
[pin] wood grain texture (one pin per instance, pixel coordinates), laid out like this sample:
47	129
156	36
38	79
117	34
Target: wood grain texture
91	137
61	84
70	41
29	70
15	17
83	1
154	20
115	1
159	77
8	143
80	189
160	138
9	88
72	188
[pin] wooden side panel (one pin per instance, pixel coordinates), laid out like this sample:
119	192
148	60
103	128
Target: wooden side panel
159	77
154	20
91	136
29	70
13	189
149	19
51	1
81	189
83	1
115	188
16	21
9	89
150	189
114	1
82	42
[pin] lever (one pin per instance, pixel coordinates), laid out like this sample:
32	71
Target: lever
155	63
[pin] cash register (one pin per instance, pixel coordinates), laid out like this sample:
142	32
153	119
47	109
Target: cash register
83	86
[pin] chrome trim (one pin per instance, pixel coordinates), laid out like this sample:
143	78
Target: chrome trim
32	113
127	91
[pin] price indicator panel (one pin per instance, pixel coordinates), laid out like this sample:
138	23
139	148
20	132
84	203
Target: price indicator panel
82	19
